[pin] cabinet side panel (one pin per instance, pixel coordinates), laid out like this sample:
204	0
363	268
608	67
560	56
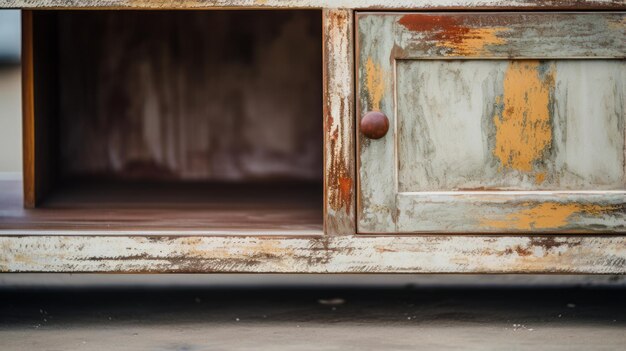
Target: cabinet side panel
28	112
43	101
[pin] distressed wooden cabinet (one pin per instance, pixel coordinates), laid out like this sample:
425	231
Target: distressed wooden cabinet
501	122
332	137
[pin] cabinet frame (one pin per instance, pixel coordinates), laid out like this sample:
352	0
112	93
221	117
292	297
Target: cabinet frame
340	249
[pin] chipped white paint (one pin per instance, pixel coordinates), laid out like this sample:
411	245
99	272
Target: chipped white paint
321	254
415	254
455	125
497	212
339	189
376	158
355	4
446	127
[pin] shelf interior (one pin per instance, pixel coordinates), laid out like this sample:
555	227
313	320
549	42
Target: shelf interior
175	208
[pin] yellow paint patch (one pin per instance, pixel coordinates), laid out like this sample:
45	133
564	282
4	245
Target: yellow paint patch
474	42
540	177
523	128
547	215
375	84
617	24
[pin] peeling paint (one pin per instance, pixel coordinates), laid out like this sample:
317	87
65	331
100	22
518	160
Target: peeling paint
450	33
339	254
475	41
345	191
375	84
523	127
338	111
316	4
528	120
546	215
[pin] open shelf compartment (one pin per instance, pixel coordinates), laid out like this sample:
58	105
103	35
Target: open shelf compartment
177	121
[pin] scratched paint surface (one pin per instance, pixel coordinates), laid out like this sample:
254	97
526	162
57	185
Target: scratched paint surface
339	254
500	122
501	212
513	125
334	4
338	122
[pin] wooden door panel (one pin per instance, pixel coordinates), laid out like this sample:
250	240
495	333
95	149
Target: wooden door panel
500	122
466	125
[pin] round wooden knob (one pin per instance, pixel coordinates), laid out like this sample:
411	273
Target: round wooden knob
374	125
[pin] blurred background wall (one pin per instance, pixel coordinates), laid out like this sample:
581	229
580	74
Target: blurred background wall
10	102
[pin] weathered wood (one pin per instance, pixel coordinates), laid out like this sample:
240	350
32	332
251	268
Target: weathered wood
454	131
377	185
354	4
507	35
28	111
113	208
462	126
511	212
39	106
156	95
339	175
338	254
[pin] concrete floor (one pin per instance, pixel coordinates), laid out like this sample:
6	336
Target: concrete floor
308	317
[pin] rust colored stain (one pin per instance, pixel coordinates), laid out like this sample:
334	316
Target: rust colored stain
340	188
340	183
444	27
520	251
475	41
452	33
523	127
540	177
345	191
546	215
338	19
375	84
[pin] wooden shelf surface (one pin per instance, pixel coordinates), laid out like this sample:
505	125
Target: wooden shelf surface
111	208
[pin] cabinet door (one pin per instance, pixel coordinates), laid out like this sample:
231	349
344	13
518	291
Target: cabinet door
498	122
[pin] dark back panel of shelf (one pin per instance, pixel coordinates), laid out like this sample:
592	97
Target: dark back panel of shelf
191	95
40	104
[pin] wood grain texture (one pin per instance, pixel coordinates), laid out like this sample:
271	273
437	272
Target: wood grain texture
340	182
338	254
508	35
494	125
40	106
345	4
166	209
150	95
28	111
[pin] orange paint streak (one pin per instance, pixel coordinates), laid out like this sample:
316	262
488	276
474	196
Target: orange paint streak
474	41
540	177
375	84
340	183
547	215
345	192
523	128
452	33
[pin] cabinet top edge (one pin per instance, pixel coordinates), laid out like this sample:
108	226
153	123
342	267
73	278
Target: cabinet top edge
319	4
